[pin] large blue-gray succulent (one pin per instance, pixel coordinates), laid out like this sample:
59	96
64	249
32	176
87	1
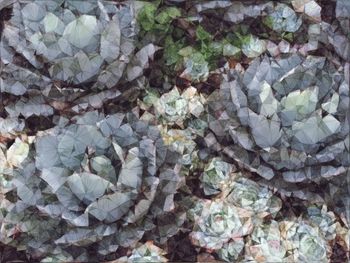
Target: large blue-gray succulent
287	117
99	180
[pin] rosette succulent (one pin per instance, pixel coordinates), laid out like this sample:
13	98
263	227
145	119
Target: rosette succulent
216	223
70	42
181	144
231	250
286	118
252	46
324	219
282	18
196	68
305	242
266	244
288	241
92	181
175	108
216	176
249	195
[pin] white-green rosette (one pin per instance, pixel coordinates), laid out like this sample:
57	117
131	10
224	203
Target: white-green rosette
174	107
216	223
254	198
305	242
231	250
282	18
180	142
216	176
266	245
253	46
324	219
196	68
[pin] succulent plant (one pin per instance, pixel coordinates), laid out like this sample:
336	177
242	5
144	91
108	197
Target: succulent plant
181	143
231	250
216	223
252	46
98	179
324	219
266	244
249	195
196	68
287	119
296	240
216	176
175	108
71	43
282	18
305	241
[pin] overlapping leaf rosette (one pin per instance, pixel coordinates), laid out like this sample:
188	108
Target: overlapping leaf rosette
54	52
92	180
306	241
288	241
173	110
222	224
309	238
286	117
217	223
217	176
255	199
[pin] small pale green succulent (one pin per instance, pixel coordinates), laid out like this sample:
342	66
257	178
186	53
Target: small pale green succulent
250	196
175	107
180	142
324	219
266	244
253	47
196	68
17	153
231	250
216	176
216	223
305	241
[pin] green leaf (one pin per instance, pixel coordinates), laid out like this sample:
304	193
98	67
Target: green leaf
171	50
288	36
146	17
268	21
186	51
230	50
167	15
203	35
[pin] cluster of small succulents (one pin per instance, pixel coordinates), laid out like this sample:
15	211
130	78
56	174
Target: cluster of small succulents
223	224
155	131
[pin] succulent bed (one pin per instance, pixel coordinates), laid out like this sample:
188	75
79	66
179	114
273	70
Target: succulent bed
173	130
